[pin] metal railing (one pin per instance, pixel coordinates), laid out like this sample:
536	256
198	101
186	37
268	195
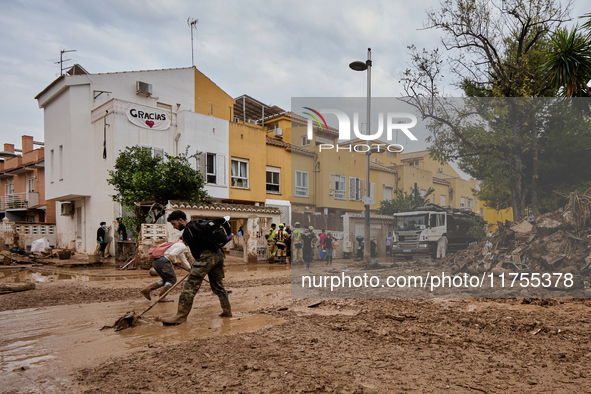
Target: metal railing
18	201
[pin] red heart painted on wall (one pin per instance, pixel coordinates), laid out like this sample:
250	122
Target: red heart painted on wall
150	123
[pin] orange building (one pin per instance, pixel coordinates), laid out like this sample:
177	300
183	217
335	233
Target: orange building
22	183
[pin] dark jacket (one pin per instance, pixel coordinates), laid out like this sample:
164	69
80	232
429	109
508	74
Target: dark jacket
100	235
122	231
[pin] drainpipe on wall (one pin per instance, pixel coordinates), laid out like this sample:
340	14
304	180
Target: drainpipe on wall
176	143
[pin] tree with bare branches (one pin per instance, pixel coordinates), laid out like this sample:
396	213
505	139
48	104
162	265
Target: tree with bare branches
494	48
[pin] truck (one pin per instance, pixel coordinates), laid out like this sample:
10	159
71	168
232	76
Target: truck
420	230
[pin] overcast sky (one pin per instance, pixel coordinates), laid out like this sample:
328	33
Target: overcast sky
270	50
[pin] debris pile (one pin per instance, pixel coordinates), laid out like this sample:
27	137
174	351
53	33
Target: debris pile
558	242
16	256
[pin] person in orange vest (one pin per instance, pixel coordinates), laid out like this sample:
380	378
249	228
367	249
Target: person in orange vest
281	238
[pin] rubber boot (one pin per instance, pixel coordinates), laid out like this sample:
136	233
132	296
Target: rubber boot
165	299
225	303
180	317
146	291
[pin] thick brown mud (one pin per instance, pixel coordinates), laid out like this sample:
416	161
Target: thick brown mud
276	344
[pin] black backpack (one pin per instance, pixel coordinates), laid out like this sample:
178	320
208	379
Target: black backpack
214	232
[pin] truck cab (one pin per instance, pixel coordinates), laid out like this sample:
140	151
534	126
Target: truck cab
420	230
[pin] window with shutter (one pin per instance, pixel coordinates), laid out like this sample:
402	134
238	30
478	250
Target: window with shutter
301	189
331	181
211	168
239	173
340	187
372	193
201	167
158	152
361	190
221	170
388	193
352	188
273	180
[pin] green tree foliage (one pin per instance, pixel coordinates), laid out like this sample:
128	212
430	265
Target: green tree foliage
476	229
141	179
494	192
568	63
565	155
495	49
403	202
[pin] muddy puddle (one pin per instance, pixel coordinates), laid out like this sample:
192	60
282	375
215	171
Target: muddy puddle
38	345
257	267
40	275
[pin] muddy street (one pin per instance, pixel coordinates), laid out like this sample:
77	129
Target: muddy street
52	340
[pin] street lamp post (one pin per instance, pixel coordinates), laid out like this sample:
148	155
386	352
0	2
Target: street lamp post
362	66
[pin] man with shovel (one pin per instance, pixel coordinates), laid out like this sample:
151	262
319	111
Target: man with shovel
209	260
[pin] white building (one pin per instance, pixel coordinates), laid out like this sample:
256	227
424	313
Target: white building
90	118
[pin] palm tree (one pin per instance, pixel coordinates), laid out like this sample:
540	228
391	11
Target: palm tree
568	63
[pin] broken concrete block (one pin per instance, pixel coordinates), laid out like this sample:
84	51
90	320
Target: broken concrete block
548	226
523	227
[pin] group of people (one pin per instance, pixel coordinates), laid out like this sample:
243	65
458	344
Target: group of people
299	244
279	242
209	260
103	237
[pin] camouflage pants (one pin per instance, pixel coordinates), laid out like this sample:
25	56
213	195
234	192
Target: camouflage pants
211	264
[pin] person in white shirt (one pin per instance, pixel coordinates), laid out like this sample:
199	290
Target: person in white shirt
163	266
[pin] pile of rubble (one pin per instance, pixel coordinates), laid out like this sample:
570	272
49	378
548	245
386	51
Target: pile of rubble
557	242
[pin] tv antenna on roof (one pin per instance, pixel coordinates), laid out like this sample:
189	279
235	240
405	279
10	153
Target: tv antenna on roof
192	25
62	60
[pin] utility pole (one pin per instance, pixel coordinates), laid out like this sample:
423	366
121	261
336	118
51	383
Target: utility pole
62	60
192	25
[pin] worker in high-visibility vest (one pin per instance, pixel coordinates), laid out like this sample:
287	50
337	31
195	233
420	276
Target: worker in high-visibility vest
297	242
270	236
309	245
281	237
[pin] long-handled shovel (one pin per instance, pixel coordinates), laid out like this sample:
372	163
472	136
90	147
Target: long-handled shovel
125	266
130	318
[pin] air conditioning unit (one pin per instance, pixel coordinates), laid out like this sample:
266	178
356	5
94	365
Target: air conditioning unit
143	88
278	132
440	169
67	209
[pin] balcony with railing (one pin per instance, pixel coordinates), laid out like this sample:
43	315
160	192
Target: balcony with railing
19	201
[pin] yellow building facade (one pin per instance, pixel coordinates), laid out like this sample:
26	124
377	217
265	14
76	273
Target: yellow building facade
273	162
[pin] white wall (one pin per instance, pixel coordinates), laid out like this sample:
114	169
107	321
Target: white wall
203	133
74	119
